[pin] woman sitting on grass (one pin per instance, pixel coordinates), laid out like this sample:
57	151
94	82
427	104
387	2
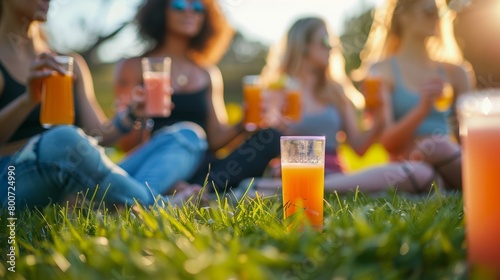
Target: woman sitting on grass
417	58
195	34
50	165
312	56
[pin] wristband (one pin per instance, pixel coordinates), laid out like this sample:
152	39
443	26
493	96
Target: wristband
117	122
130	114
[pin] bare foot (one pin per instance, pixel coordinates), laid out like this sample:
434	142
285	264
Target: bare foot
188	192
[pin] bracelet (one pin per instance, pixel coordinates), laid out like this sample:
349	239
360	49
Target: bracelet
241	127
130	114
117	122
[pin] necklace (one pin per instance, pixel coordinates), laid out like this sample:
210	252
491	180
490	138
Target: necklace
182	80
182	75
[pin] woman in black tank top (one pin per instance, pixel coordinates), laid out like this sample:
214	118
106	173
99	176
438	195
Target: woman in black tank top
52	165
197	83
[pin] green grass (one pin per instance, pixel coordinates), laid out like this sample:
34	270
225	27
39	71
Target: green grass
390	236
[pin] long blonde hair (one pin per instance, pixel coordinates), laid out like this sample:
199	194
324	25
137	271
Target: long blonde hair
384	38
287	58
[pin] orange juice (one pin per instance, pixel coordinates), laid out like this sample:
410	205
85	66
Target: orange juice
292	109
443	102
57	104
253	99
481	164
303	186
158	99
372	89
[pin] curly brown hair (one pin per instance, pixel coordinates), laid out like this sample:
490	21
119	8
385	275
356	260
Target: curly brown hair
207	47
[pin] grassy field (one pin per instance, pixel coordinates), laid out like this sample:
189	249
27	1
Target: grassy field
390	236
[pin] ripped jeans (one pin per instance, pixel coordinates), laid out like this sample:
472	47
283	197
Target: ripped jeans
64	161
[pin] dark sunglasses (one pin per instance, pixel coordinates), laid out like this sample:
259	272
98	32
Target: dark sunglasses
183	5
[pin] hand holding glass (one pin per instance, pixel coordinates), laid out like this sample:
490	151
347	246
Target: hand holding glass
156	76
57	104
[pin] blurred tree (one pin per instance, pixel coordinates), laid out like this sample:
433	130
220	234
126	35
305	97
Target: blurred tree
356	30
94	22
244	57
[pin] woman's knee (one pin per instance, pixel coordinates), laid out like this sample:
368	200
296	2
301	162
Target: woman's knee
69	146
421	176
194	128
65	136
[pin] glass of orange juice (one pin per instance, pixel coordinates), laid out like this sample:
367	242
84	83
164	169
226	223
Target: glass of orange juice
292	109
57	101
443	102
479	117
252	95
303	177
156	76
372	90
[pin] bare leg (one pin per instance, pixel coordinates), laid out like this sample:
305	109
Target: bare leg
413	177
444	155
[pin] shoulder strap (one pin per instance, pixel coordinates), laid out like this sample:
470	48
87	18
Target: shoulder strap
397	72
442	71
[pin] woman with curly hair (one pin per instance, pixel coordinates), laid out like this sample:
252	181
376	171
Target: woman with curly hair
195	34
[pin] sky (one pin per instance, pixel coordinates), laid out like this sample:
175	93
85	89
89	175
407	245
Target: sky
259	20
268	20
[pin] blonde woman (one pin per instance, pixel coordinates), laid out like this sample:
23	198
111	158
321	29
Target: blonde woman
313	57
412	49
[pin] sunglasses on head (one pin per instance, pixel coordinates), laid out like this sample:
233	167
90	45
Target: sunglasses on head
183	5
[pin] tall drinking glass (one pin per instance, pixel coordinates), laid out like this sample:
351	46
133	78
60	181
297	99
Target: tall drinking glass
444	101
252	95
479	116
156	76
57	104
293	101
372	90
303	176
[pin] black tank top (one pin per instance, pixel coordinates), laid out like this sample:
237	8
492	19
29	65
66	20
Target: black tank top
188	107
12	89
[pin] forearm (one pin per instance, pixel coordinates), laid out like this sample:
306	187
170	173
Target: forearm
399	134
365	139
108	132
224	136
12	116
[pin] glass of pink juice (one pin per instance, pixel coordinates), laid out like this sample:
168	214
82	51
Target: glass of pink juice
156	76
479	116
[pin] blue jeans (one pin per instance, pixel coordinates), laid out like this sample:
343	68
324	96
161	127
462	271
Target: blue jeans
172	154
64	161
